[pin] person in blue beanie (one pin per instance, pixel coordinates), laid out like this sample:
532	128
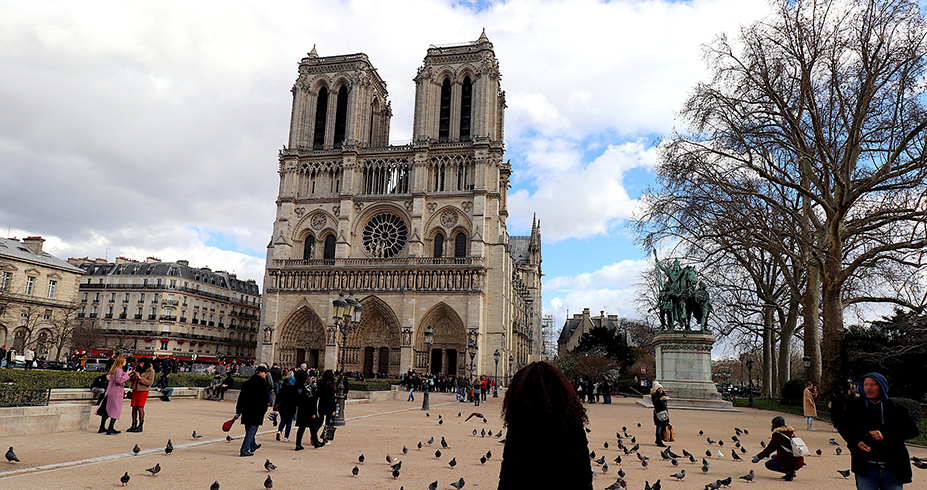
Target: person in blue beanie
875	429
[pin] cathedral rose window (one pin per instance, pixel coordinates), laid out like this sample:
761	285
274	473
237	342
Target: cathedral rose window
385	235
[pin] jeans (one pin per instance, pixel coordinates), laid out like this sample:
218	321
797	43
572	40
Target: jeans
411	395
247	445
166	392
607	398
772	465
286	423
878	478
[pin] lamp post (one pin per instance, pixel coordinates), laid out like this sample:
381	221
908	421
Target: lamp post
471	349
495	379
750	383
429	339
806	360
347	314
511	367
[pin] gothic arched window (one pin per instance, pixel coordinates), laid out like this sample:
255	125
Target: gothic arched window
330	247
439	245
307	247
341	116
444	123
466	105
460	245
321	114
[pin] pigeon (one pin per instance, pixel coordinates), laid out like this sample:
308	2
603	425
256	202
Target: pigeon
405	450
692	459
453	462
430	441
269	466
675	462
441	422
715	485
474	414
482	459
679	476
604	467
395	473
11	456
483	433
839	451
705	462
269	484
155	469
671	454
735	456
621	473
720	454
419	445
396	466
618	460
720	443
762	443
749	476
499	434
657	485
600	461
354	471
735	439
196	436
592	455
644	463
125	479
588	430
444	443
920	464
459	483
633	440
701	433
228	438
710	441
647	485
437	453
605	445
638	424
746	432
434	485
169	448
389	459
427	414
818	452
708	452
488	454
136	450
726	482
458	414
474	432
635	448
360	459
214	486
704	468
844	473
738	431
686	453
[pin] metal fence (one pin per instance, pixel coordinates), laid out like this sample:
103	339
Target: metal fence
24	397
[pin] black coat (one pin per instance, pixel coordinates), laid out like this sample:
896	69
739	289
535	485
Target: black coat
658	405
252	401
286	399
527	452
857	421
326	394
307	404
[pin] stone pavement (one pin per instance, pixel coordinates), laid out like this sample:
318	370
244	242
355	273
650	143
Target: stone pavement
87	460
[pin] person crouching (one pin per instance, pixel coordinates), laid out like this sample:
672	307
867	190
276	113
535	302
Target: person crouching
781	442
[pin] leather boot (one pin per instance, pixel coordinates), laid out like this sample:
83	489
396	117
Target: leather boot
140	425
134	428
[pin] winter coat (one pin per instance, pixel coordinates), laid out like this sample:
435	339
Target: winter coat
307	405
143	381
895	424
525	449
326	393
286	399
781	442
811	409
115	392
658	406
252	401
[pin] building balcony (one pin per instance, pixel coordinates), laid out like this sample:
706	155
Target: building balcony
93	315
183	319
108	316
195	321
361	262
138	317
168	318
172	302
152	317
80	315
122	316
212	324
221	325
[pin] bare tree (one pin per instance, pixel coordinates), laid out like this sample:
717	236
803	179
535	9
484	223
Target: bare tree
62	328
87	335
824	100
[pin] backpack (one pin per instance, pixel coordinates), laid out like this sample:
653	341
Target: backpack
798	448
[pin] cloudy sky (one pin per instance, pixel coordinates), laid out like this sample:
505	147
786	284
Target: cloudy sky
152	128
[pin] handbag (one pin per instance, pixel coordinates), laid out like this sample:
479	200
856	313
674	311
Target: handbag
328	433
662	415
227	426
668	434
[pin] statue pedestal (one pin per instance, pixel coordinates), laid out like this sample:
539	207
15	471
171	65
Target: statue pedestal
684	369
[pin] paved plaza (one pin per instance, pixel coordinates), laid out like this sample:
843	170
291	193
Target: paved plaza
87	460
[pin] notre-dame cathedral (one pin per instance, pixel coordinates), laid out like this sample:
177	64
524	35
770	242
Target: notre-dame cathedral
416	232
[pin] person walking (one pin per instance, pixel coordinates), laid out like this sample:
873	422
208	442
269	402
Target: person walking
606	392
251	407
286	406
838	404
476	392
660	411
307	409
543	415
276	377
811	410
484	385
111	405
325	392
875	429
3	356
781	442
30	357
140	381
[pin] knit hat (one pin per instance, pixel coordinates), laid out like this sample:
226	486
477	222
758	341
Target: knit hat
656	386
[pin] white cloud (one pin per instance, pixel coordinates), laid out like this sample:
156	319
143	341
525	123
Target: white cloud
609	288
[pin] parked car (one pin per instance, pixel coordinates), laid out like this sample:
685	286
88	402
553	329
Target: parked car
52	365
96	364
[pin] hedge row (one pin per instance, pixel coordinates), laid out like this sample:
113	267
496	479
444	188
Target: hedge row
73	379
369	385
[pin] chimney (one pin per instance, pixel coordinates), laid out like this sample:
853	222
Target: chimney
34	243
585	312
100	261
121	260
185	263
152	260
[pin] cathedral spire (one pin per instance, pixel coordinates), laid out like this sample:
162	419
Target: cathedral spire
313	53
483	38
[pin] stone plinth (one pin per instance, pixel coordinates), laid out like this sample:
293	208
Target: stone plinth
684	369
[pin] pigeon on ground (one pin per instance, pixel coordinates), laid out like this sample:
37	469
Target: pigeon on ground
647	485
749	476
453	462
196	436
675	462
818	452
714	485
214	486
738	431
136	450
444	443
839	451
269	466
588	430
762	443
437	453
844	473
617	460
679	476
169	448
433	485
355	471
268	483
635	448
657	485
459	483
920	464
155	469
605	445
708	452
228	438
499	434
692	459
389	459
592	455
644	463
11	456
704	468
735	455
474	432
395	473
604	467
701	433
441	422
488	454
710	441
360	459
726	482
735	439
705	462
396	466
430	441
482	459
833	442
405	450
458	414
720	454
483	433
125	479
427	414
633	440
419	445
720	443
600	461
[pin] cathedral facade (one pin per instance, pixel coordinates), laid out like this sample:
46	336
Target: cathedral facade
416	232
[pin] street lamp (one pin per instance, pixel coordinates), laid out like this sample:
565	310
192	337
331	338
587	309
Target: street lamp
806	360
511	367
750	384
495	379
471	349
429	339
346	314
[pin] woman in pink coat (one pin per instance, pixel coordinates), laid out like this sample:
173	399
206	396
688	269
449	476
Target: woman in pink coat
111	406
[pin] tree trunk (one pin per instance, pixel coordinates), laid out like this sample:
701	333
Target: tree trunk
769	352
787	330
810	316
834	348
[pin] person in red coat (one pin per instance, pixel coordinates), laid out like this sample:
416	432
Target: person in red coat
781	442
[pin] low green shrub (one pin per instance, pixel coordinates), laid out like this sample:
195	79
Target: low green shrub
914	408
793	391
73	379
369	385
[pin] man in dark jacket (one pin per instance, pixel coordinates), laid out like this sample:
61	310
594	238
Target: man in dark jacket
781	442
251	407
875	429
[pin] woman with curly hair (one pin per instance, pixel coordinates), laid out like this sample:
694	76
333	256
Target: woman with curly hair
544	417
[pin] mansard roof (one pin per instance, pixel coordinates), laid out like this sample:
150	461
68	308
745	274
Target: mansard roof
17	250
172	269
